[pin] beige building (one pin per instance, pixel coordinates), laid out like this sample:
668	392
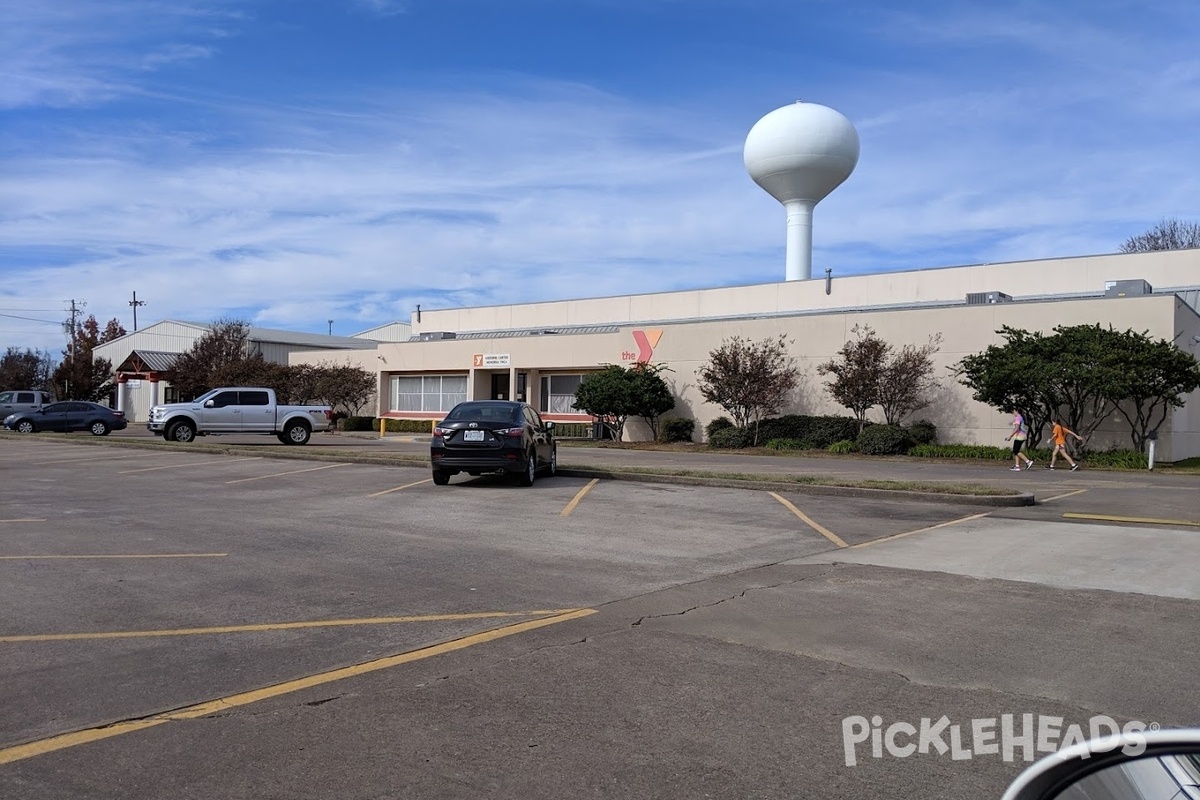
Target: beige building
539	352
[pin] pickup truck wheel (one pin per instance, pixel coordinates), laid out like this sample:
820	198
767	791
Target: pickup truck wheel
297	433
441	477
99	428
181	431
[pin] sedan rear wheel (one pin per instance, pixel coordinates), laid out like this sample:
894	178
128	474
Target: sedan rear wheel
99	428
530	473
552	470
441	477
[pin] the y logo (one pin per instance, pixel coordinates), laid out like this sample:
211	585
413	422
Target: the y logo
646	341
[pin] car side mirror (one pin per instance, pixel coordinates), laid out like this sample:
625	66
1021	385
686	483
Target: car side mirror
550	427
208	403
1134	765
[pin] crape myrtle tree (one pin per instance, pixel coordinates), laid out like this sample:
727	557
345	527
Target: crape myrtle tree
27	369
343	386
858	371
616	393
1085	373
79	376
750	380
1012	376
1155	378
907	382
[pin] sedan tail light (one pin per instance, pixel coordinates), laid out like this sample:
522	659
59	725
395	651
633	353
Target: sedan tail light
439	433
514	433
118	413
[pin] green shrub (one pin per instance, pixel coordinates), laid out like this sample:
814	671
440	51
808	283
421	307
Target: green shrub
676	430
360	424
923	432
573	430
961	451
818	431
789	444
1121	459
718	424
884	440
843	447
408	425
730	438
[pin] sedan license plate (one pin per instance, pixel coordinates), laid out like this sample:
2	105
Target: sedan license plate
472	436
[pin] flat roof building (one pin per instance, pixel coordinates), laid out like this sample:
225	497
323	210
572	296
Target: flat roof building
540	351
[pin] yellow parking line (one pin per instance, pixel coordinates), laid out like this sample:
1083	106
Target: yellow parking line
1061	496
398	488
921	530
566	512
1140	520
131	555
53	743
201	464
821	529
280	474
280	626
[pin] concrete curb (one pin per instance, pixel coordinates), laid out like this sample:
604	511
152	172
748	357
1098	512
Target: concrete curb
1018	499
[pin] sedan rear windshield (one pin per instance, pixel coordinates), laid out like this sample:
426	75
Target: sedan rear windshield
486	412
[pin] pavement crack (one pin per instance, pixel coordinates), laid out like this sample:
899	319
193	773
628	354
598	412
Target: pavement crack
637	623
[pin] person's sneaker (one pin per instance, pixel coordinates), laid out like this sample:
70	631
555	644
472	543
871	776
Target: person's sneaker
1049	467
1074	467
1014	469
1029	464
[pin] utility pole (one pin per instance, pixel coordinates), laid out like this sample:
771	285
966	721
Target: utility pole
331	327
71	327
135	303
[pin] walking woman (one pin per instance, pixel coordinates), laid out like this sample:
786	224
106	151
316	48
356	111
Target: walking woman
1020	432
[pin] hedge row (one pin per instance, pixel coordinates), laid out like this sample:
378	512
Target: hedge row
393	425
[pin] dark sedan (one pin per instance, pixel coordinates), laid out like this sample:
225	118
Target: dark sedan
481	436
72	415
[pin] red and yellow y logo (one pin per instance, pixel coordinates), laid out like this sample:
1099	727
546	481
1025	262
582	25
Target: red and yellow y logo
646	341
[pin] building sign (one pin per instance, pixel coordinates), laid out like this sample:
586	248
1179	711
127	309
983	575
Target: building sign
492	360
646	341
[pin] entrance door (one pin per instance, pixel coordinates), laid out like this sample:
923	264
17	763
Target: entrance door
500	386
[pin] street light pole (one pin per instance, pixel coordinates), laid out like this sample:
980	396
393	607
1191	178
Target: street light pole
135	303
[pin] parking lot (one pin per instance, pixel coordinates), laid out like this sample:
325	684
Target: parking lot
180	623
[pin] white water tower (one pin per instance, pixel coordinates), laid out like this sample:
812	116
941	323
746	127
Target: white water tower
799	154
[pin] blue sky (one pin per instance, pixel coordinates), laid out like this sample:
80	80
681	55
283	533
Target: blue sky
289	163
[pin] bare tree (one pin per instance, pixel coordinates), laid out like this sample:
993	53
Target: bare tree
749	379
858	371
907	381
1168	234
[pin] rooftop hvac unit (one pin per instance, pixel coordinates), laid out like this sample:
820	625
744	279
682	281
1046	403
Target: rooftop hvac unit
986	298
1127	288
434	336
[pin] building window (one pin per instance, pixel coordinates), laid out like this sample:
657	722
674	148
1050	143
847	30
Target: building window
170	395
558	394
427	392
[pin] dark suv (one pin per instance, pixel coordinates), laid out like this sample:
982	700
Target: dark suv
481	436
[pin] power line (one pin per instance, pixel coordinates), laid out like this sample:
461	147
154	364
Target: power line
31	319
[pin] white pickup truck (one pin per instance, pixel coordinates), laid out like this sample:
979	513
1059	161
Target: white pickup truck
235	410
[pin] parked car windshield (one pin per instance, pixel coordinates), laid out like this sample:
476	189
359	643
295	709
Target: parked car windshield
484	412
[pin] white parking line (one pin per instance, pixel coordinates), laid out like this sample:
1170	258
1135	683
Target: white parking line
398	488
201	464
292	472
